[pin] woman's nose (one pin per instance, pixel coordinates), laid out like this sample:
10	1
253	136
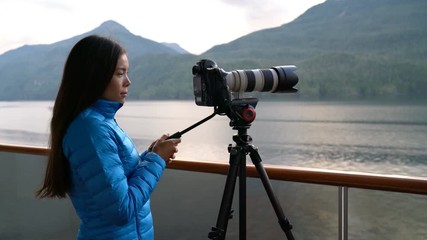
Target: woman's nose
128	81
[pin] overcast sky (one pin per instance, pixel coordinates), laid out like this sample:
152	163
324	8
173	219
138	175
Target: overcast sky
196	25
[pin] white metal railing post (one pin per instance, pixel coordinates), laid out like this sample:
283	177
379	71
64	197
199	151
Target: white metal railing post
343	213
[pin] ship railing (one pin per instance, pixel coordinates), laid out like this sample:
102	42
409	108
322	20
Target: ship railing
319	203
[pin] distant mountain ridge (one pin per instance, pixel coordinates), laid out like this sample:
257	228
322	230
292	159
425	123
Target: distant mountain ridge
342	48
176	47
33	71
136	45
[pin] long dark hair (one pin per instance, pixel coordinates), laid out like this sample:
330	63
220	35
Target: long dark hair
87	72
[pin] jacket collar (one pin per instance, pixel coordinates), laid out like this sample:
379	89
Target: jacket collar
106	107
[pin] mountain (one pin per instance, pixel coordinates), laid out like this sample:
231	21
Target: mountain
176	47
342	48
359	48
33	72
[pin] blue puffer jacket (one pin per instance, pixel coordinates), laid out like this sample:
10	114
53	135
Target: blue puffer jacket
111	182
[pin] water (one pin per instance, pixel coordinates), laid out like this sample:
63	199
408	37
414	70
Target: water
388	138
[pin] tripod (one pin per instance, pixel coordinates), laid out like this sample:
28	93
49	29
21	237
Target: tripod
241	113
240	121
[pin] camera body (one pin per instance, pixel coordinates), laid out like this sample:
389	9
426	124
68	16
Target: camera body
213	86
209	84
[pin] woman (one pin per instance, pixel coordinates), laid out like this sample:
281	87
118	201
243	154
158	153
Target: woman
91	159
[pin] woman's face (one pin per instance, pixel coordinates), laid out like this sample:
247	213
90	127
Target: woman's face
117	89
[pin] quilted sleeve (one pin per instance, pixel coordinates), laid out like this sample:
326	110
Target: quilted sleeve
95	163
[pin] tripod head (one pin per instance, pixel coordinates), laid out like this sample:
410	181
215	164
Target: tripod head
241	112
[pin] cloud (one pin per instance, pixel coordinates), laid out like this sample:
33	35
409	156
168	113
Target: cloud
194	25
273	13
52	5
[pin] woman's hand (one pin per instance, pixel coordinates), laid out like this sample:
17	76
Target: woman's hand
165	148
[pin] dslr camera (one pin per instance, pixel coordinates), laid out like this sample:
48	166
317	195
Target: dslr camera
215	87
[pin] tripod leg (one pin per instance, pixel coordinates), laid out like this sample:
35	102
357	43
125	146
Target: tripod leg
242	197
224	214
283	221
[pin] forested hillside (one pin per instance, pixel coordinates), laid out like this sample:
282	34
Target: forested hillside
342	48
360	48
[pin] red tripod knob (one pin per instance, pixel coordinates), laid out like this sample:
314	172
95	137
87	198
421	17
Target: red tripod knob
249	114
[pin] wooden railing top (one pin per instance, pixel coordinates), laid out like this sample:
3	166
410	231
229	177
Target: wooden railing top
24	149
405	184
